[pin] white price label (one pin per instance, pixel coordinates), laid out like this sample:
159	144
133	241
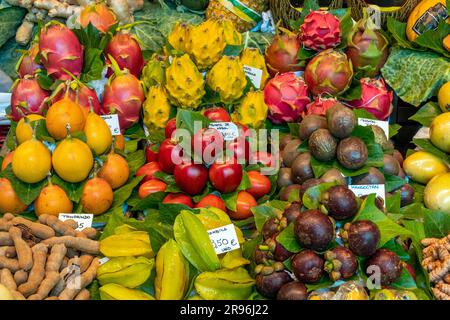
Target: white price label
112	120
255	75
224	239
103	260
366	189
229	130
84	220
371	122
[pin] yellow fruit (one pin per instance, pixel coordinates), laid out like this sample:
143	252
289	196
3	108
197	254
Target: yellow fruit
61	113
437	193
156	108
444	97
52	200
7	160
422	166
179	36
115	170
98	134
9	201
440	131
31	161
425	16
24	129
97	196
231	35
252	57
72	160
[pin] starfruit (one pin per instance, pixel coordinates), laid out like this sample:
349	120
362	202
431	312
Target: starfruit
252	110
178	38
224	284
112	291
233	259
129	272
126	243
156	108
213	218
172	272
153	72
194	242
231	35
252	57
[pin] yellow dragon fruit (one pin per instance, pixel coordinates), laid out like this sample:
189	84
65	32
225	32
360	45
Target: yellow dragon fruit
184	83
232	36
252	57
156	108
206	43
227	77
252	111
179	36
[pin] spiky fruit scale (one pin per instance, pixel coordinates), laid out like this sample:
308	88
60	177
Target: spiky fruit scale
179	36
228	78
184	83
156	108
231	35
127	53
282	55
27	64
27	97
153	72
252	57
375	98
252	110
320	30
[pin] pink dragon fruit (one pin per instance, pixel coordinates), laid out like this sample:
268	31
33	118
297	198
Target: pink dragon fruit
329	72
60	49
320	30
81	92
27	97
286	96
320	106
27	64
281	55
124	95
375	98
127	52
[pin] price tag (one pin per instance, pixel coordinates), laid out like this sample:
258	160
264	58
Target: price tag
370	122
229	130
255	75
103	260
112	120
366	189
224	239
84	220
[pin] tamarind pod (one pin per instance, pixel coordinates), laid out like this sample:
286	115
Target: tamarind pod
7	279
8	251
11	264
74	286
84	262
5	239
37	272
442	253
72	253
4	224
441	271
81	244
445	288
38	229
57	225
80	234
49	282
64	263
24	253
83	295
71	223
428	241
8	216
440	295
20	277
91	233
17	295
447	278
55	259
51	298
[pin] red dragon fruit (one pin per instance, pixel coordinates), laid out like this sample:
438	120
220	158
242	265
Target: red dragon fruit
320	30
81	92
329	72
375	98
281	55
27	97
127	52
320	106
60	49
286	96
27	64
124	95
99	15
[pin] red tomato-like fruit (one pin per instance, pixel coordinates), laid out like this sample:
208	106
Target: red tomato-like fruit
212	200
151	155
171	126
148	170
151	186
240	148
217	114
207	140
245	202
260	184
225	177
168	152
178	198
191	178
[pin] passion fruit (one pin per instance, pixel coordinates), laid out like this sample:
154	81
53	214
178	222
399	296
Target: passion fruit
294	290
373	176
290	152
422	166
314	230
292	212
322	145
363	237
290	191
437	193
334	175
301	168
284	177
341	121
340	202
97	196
307	266
390	165
269	285
340	263
9	201
115	170
309	124
389	264
352	153
52	200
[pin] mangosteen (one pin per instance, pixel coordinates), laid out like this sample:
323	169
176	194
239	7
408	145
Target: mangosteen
322	145
341	121
363	237
333	175
309	124
292	191
398	156
262	256
352	153
292	212
294	290
284	177
389	265
307	266
273	226
340	263
269	285
285	140
290	152
406	194
309	184
340	202
390	165
279	252
301	168
314	230
373	176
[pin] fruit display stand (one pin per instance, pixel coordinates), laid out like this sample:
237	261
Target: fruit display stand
169	155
